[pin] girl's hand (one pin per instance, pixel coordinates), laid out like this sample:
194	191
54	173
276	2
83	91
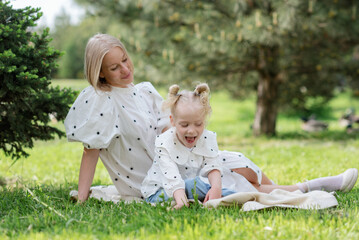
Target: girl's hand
179	206
213	193
181	199
215	180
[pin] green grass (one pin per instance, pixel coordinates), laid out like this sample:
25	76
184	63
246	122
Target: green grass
35	204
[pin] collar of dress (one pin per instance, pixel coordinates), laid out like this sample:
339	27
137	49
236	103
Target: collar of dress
206	145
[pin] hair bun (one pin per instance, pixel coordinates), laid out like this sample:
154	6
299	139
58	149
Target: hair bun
173	90
201	88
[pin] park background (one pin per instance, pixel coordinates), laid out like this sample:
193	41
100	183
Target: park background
305	52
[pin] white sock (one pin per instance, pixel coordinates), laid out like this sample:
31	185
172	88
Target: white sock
328	184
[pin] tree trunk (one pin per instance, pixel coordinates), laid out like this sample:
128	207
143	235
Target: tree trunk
266	109
267	92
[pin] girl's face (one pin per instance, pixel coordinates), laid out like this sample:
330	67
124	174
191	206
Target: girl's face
189	121
116	68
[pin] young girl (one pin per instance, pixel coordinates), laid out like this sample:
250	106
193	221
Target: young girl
185	152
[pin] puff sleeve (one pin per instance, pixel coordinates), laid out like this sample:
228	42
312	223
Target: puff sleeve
155	103
92	119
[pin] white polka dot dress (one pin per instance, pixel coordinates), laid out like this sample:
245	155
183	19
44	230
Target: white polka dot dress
123	124
232	180
175	163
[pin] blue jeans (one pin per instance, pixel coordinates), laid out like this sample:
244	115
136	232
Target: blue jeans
202	189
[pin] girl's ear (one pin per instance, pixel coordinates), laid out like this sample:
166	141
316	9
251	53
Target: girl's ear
172	121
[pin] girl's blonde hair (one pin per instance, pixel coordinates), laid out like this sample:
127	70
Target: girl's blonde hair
200	94
96	49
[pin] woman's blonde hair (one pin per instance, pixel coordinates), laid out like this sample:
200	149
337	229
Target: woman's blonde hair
200	94
96	49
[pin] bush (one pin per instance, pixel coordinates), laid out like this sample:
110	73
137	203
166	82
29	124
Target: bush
26	97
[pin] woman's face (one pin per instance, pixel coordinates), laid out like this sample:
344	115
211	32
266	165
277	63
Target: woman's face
116	68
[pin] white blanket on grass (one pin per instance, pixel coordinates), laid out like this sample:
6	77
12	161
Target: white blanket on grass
248	201
277	198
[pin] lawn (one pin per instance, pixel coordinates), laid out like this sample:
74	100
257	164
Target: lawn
35	204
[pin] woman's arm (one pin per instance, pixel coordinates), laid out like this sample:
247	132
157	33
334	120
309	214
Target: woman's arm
215	180
87	172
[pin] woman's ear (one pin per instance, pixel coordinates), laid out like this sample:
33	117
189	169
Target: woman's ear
101	74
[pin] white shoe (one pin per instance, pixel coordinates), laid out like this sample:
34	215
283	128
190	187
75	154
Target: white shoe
349	179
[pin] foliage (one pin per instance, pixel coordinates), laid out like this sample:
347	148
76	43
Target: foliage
286	51
26	97
72	40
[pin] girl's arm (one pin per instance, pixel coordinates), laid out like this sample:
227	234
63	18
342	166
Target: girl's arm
87	172
171	179
181	199
215	180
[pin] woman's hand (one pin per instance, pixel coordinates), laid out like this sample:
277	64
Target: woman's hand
87	172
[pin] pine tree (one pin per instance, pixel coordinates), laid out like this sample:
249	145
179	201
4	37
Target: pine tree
287	51
26	96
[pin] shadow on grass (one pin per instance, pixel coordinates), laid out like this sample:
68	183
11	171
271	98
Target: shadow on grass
329	135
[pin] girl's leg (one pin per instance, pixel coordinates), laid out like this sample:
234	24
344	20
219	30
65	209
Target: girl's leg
159	196
226	192
201	188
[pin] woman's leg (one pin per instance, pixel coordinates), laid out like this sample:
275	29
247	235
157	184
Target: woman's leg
343	182
267	185
268	188
238	163
251	176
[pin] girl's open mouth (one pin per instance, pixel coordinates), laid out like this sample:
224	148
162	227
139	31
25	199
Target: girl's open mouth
190	139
